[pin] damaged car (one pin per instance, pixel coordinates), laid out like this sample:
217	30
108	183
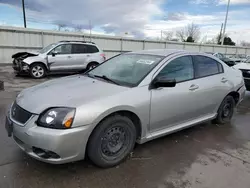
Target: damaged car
64	56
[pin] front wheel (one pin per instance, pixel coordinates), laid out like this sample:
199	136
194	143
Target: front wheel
112	141
37	70
226	110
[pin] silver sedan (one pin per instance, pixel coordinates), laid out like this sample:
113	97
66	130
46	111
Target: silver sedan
131	98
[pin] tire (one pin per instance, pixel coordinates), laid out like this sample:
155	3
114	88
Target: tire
92	65
111	141
38	70
226	111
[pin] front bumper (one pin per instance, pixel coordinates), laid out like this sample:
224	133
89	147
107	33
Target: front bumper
19	66
68	145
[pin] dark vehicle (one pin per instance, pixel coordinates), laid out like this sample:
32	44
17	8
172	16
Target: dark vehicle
223	58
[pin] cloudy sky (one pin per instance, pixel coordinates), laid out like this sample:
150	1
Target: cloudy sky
139	18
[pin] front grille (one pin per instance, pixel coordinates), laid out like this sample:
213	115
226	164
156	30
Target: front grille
245	73
20	115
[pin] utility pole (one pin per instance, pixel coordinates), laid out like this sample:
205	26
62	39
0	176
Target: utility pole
90	30
161	34
24	16
225	24
220	36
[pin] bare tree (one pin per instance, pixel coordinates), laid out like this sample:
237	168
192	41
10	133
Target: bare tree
61	26
245	43
168	35
218	38
190	33
78	28
181	35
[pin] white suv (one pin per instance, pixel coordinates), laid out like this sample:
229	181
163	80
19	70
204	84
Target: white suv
64	56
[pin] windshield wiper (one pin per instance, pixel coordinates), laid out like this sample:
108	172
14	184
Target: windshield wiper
102	77
106	78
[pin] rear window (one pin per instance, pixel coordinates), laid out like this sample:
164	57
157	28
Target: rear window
91	49
78	49
205	66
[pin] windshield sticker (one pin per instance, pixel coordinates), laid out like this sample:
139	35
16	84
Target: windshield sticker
145	61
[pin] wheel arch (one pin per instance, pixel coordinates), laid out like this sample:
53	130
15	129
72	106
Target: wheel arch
39	62
235	95
128	112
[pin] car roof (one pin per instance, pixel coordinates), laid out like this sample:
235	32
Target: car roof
163	52
77	42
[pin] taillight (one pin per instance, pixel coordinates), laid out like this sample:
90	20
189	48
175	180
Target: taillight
104	57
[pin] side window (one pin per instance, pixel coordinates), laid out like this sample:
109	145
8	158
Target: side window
91	49
180	69
79	49
63	49
205	66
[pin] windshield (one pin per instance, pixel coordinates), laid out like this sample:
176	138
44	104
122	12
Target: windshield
47	48
127	69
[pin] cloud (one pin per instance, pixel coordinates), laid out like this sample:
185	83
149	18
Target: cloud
199	2
210	25
219	2
112	15
233	2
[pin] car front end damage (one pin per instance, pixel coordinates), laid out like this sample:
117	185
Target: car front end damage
19	65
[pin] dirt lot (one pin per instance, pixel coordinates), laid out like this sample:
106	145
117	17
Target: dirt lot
216	156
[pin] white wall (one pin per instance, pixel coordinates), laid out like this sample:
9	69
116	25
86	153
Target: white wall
13	39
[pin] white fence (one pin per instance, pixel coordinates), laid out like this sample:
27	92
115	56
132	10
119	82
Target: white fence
14	39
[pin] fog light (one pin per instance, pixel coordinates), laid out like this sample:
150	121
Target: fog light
45	154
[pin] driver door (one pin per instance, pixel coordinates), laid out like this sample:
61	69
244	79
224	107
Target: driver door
61	58
174	105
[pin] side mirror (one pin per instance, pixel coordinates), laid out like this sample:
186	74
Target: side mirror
162	82
54	54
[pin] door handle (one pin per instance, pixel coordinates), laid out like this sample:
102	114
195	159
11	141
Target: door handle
69	56
223	80
193	87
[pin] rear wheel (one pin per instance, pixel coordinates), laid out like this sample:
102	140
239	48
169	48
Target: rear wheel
226	110
37	70
92	65
112	141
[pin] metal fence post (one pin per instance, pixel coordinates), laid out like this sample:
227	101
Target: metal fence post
121	44
42	38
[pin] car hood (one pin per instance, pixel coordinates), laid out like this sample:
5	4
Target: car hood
244	66
72	91
24	54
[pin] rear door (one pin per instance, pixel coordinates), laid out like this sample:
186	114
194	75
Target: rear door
80	55
212	83
93	54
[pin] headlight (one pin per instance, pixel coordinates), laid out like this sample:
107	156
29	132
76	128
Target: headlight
57	118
